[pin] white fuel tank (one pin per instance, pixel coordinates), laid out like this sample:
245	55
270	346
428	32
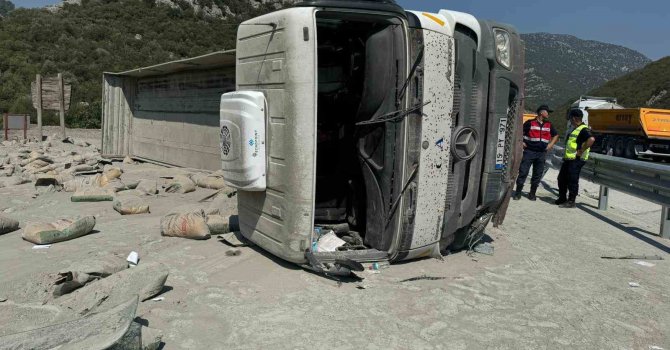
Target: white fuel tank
243	115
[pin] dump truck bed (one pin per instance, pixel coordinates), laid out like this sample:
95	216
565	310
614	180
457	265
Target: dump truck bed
644	122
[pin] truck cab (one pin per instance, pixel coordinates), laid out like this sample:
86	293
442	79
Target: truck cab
397	130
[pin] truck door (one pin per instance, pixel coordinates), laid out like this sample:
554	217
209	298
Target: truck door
276	55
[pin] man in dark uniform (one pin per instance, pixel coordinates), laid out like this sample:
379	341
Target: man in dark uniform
577	148
539	136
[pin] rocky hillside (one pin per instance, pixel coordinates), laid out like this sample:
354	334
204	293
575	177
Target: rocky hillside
83	38
559	68
647	87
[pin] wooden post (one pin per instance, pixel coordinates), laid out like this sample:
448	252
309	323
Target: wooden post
38	82
61	104
26	122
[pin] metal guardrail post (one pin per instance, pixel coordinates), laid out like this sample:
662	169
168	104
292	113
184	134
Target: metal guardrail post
665	222
603	198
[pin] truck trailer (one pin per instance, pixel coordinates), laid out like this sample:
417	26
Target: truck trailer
631	132
396	132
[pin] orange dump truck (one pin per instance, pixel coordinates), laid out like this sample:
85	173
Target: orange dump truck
528	116
631	133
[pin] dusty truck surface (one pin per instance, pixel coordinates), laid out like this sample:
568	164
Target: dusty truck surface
361	132
632	132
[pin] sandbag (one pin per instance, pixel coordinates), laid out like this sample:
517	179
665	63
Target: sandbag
180	184
145	280
38	160
58	231
7	170
209	181
115	186
92	195
109	174
99	266
147	186
79	183
15	181
187	225
83	167
130	205
218	224
81	273
8	225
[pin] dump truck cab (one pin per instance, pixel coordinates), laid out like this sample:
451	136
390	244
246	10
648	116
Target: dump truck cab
401	126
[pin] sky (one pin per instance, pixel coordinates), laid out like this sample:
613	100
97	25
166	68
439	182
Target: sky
642	25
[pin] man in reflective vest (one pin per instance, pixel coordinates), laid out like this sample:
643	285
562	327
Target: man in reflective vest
539	136
577	148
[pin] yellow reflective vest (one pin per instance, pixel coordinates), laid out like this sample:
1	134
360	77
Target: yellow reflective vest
571	145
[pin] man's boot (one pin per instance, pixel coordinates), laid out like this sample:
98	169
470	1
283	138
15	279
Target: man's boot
532	195
560	201
517	194
568	204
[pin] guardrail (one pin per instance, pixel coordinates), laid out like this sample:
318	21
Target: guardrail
648	181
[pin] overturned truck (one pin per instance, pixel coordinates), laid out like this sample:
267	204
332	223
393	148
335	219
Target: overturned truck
401	126
397	130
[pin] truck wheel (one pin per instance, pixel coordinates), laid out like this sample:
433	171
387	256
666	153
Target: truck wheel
629	151
619	147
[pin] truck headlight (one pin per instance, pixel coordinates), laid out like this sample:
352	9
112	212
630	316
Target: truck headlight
503	48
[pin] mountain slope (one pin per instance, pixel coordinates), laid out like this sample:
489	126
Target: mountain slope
82	41
647	87
561	67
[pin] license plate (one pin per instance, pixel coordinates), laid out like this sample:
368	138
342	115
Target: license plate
500	147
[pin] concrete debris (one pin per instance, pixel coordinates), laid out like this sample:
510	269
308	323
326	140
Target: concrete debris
128	160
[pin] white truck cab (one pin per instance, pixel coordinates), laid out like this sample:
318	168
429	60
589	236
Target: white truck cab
398	130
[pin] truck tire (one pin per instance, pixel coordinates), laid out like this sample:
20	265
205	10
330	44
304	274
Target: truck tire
619	146
629	150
